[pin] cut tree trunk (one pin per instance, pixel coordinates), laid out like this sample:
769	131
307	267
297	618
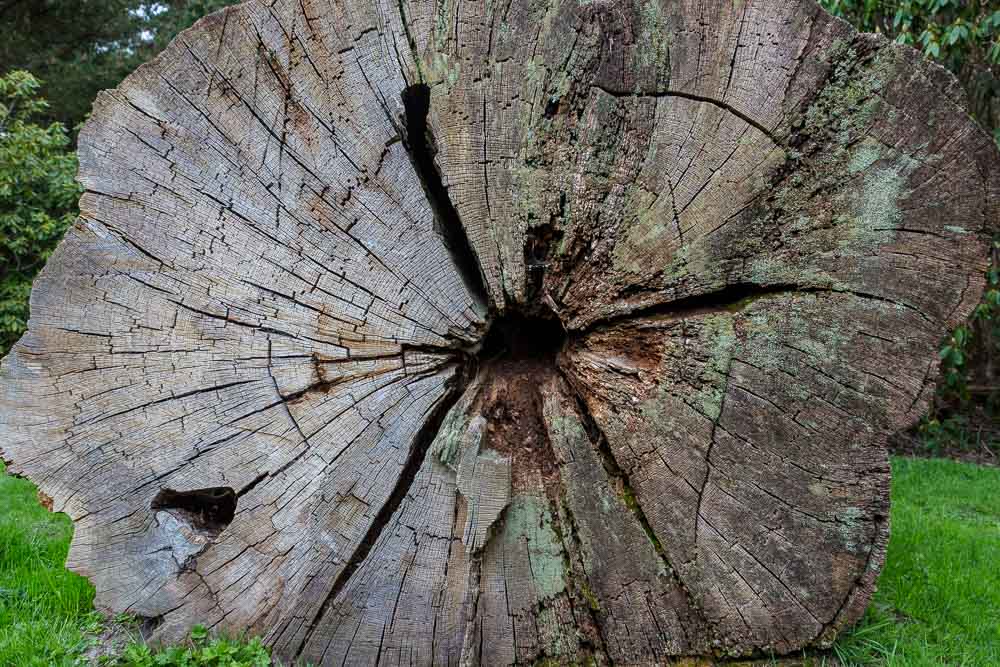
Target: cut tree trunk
490	333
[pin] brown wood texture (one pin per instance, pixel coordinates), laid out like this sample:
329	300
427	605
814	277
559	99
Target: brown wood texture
444	332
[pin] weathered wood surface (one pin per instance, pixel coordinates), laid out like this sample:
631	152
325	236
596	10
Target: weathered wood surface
258	375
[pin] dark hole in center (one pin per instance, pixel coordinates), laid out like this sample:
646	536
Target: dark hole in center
515	336
521	337
209	510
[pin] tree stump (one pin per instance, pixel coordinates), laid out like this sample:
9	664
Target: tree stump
509	332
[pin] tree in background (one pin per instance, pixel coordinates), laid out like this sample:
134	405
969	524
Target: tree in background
79	47
38	196
182	14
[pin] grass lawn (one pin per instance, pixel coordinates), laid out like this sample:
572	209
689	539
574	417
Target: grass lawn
44	608
938	601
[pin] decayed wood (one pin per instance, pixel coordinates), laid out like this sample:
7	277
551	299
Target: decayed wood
493	333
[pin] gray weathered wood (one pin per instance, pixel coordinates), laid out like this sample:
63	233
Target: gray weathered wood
258	377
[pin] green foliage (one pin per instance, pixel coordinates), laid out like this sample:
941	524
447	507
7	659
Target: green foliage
956	353
38	196
938	599
79	47
952	31
954	433
200	651
14	293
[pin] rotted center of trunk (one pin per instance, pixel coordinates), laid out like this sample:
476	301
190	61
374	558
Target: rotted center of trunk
519	357
521	338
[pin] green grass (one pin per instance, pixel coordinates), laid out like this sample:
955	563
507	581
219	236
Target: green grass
45	610
938	601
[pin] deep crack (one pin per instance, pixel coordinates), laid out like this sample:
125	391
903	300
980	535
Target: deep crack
616	473
697	98
522	347
729	298
421	147
418	452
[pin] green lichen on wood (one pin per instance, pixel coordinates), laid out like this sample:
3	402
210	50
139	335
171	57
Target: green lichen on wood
442	24
848	103
851	521
588	594
768	270
838	191
653	44
559	643
704	392
680	264
765	329
565	427
874	212
847	106
649	232
441	69
529	524
720	338
531	188
456	434
632	503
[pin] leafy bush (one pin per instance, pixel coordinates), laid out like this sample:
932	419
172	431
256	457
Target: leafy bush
199	652
952	31
968	400
948	433
38	196
985	321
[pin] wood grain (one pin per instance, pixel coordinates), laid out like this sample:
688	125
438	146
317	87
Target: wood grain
501	332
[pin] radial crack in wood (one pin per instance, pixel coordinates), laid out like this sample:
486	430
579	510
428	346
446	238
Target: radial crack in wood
500	333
